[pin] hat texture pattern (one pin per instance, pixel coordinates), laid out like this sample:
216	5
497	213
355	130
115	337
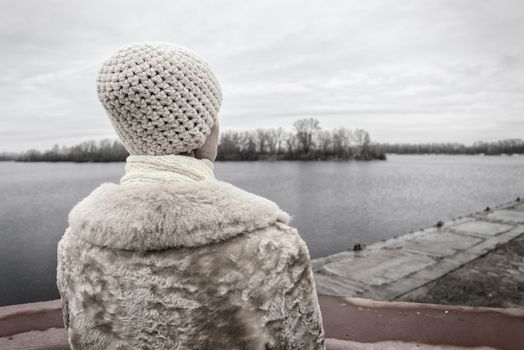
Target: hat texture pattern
161	98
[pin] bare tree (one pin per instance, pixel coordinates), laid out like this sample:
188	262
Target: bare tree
342	142
275	140
325	142
362	141
229	146
249	147
305	131
262	139
291	145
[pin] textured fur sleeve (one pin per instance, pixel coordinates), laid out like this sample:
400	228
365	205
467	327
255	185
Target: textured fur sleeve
60	271
303	326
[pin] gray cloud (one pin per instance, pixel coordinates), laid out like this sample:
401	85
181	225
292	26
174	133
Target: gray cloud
407	71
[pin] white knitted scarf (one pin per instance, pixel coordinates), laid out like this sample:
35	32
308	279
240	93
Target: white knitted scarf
166	169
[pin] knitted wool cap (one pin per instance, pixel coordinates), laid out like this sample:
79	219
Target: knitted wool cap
161	98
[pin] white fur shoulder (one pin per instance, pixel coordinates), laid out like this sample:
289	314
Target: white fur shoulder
159	216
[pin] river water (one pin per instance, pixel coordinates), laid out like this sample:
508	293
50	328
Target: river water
333	204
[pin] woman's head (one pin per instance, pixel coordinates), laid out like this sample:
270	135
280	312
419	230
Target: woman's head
161	99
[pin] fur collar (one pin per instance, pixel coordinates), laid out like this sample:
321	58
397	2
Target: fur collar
158	216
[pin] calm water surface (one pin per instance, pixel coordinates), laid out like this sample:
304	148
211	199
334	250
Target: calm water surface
333	204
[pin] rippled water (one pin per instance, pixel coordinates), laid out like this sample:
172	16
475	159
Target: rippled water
333	204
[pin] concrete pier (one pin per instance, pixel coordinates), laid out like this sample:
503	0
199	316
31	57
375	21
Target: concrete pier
400	266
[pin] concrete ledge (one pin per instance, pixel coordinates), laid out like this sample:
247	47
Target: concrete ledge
389	269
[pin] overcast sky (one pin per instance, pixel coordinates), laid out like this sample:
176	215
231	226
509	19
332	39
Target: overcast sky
406	71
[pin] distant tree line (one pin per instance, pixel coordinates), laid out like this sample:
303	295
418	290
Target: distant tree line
508	146
89	151
307	141
8	156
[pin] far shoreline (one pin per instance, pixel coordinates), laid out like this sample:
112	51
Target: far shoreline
265	160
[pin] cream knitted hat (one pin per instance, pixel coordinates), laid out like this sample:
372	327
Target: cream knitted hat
161	98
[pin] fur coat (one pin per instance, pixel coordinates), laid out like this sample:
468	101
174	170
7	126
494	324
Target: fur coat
195	265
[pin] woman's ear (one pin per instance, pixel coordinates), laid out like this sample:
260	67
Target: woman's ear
209	148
